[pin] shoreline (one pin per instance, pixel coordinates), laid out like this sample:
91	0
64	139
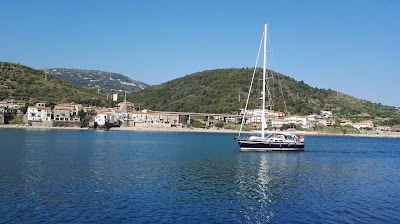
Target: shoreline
200	130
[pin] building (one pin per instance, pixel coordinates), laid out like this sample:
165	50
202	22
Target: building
11	106
67	112
279	114
363	124
254	116
277	123
383	128
39	113
126	106
104	118
326	114
149	117
346	122
297	120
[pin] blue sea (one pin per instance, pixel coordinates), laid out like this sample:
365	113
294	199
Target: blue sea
143	177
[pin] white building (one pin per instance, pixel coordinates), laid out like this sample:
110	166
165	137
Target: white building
277	123
39	113
254	116
326	114
302	121
105	117
363	124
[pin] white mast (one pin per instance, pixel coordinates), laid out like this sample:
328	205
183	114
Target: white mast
263	122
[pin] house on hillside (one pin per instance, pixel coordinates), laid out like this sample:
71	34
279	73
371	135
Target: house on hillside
325	122
330	122
126	106
279	114
363	124
11	106
346	122
326	114
254	116
297	120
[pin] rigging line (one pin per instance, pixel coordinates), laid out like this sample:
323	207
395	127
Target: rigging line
279	80
271	92
251	84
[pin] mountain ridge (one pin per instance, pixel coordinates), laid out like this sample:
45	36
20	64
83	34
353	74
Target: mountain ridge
106	82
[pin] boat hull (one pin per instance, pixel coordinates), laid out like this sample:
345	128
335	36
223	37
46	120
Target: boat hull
261	146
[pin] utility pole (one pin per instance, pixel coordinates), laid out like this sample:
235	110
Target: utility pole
45	75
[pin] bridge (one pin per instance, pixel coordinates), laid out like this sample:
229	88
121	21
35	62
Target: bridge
192	114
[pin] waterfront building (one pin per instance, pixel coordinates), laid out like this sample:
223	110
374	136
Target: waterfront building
39	114
104	118
67	112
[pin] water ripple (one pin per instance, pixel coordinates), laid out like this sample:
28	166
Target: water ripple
107	177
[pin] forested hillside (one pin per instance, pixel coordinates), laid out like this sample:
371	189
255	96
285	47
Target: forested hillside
213	91
23	83
225	91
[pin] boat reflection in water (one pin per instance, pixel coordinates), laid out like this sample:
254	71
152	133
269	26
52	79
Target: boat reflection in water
266	182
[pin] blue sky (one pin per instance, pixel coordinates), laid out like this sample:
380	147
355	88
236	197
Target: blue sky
350	46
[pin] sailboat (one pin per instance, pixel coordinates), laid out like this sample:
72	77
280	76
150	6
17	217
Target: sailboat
274	141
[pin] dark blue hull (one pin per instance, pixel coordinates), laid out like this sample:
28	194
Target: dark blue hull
251	145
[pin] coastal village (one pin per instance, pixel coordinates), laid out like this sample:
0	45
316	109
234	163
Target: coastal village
126	114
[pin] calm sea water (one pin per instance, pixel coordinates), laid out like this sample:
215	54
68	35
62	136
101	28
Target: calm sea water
134	177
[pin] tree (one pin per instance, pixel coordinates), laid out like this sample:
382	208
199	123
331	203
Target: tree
85	121
220	124
82	114
3	95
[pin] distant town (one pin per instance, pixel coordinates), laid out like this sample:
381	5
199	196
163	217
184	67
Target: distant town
127	114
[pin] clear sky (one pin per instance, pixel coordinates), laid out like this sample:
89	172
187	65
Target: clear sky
352	46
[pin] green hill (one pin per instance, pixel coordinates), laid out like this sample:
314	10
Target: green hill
213	91
225	91
23	83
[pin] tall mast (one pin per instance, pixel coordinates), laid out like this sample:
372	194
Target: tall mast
263	122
